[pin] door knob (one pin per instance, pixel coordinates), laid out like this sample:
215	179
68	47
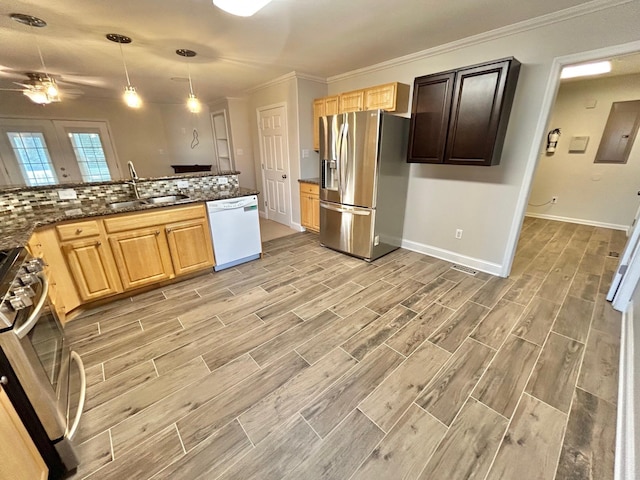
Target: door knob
284	175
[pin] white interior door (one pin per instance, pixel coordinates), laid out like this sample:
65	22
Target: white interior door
272	126
628	253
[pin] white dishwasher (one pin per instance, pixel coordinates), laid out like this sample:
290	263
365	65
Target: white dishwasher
235	230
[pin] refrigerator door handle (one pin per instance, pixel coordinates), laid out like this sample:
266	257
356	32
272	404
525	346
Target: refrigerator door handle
345	209
344	158
339	158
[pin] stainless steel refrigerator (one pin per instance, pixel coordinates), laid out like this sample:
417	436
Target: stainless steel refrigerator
363	182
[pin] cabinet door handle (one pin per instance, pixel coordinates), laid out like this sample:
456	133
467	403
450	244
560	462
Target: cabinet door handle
98	243
78	231
168	230
157	232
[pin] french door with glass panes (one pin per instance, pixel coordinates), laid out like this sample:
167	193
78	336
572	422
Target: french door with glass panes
46	152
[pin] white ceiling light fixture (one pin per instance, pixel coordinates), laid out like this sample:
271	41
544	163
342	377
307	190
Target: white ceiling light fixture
241	8
586	69
193	104
131	97
41	88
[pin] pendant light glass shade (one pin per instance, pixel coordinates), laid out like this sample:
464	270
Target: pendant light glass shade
241	8
131	97
193	104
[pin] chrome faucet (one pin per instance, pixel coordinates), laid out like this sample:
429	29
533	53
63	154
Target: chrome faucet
134	176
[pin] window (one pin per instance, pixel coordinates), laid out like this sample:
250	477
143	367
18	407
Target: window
90	156
33	158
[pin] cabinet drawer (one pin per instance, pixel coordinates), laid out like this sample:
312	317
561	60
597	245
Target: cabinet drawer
71	231
311	188
134	221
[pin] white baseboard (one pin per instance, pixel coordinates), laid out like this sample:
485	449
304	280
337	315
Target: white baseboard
580	221
475	263
262	213
297	227
626	421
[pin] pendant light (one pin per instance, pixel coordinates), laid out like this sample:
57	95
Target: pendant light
42	88
131	97
193	104
241	8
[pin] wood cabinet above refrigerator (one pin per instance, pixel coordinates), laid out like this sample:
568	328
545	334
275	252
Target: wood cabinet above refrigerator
392	97
460	117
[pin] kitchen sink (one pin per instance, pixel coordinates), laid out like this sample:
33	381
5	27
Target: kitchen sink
127	204
149	201
167	199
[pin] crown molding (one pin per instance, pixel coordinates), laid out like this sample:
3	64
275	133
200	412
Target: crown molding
515	28
285	78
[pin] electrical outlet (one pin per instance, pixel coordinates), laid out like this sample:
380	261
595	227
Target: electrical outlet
183	184
67	194
554	199
223	180
459	233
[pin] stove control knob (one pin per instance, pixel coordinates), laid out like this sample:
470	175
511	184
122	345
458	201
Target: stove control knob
18	302
28	279
35	265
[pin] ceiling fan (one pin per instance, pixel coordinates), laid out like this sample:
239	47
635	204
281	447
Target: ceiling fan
42	88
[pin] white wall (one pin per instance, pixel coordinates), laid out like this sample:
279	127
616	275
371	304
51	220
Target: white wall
593	193
240	125
151	137
482	200
308	90
138	135
179	125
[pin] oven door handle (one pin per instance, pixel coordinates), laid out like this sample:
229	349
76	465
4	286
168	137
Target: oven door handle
26	327
83	393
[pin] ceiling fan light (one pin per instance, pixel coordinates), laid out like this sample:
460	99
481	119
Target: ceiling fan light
38	96
241	8
52	91
131	97
193	104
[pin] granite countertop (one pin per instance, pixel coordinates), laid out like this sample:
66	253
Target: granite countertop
314	180
18	233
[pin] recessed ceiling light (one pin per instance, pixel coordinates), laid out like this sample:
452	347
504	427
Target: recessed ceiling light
241	8
586	69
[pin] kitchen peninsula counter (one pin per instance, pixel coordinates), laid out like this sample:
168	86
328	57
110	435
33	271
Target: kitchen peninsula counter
15	232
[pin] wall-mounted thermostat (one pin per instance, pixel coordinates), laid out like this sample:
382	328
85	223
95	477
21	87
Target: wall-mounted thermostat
578	144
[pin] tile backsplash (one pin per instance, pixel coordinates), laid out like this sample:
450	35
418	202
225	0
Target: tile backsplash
17	204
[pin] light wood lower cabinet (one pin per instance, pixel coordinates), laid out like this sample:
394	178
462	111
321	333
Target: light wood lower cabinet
20	457
142	257
104	256
310	206
190	246
92	268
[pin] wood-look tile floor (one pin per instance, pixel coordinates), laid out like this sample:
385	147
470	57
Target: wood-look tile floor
310	364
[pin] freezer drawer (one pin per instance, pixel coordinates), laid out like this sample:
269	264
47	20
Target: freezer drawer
347	229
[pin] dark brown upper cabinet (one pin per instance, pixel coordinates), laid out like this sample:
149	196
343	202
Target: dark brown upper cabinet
460	117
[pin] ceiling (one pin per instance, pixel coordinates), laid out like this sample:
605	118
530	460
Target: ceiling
315	37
